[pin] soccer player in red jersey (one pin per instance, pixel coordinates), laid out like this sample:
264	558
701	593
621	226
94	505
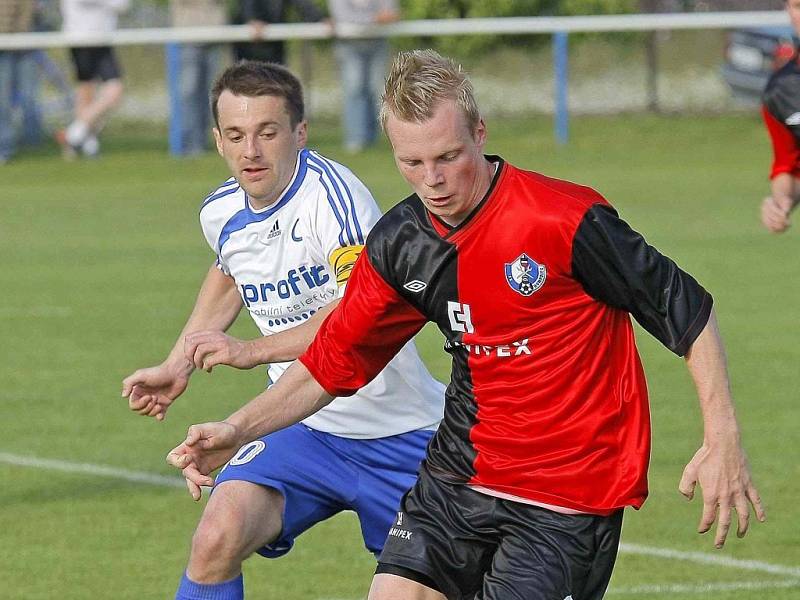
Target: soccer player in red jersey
781	112
546	433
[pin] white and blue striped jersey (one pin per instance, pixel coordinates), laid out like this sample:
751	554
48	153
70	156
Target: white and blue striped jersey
293	257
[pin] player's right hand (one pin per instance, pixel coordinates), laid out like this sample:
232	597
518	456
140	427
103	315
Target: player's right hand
151	391
775	213
207	447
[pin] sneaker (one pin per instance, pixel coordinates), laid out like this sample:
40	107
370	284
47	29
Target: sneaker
90	147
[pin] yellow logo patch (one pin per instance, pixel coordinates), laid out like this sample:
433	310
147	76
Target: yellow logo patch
342	261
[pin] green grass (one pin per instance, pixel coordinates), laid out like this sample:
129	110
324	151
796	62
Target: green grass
101	264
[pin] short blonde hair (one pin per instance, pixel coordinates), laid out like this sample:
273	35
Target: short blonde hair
419	80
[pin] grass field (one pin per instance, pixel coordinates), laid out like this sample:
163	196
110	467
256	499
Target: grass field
101	261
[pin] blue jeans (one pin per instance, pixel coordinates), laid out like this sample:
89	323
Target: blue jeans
198	67
19	89
362	64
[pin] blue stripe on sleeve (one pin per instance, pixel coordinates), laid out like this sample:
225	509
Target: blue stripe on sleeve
359	233
218	195
332	202
342	202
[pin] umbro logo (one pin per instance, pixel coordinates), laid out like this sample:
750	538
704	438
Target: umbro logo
793	119
415	286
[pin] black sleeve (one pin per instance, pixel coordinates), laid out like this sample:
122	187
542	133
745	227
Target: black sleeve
615	265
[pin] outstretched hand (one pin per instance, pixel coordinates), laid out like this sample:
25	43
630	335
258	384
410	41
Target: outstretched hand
726	484
151	391
207	349
207	447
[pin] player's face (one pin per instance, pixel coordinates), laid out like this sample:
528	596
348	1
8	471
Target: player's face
257	140
442	160
793	8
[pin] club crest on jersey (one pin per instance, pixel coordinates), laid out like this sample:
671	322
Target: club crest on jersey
525	275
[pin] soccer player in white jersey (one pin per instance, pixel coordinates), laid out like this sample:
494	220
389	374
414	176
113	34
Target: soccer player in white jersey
286	229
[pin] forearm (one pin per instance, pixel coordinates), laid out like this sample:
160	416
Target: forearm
217	306
707	365
290	344
294	397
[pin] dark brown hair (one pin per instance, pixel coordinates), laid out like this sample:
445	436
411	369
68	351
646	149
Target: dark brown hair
254	78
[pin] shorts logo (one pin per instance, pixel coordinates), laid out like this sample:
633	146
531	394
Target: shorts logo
399	521
793	119
525	275
460	318
246	453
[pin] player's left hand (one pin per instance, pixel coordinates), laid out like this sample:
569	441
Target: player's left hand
776	213
724	477
207	447
207	349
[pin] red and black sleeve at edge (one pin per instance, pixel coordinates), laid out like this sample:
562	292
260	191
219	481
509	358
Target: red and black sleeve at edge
786	154
615	265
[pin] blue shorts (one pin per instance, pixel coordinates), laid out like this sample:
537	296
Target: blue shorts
320	474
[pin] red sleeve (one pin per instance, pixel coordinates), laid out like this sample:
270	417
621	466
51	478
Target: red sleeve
786	155
359	338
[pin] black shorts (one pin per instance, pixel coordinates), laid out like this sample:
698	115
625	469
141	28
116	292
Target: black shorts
470	546
95	63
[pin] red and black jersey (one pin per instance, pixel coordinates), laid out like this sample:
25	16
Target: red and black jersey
781	112
547	398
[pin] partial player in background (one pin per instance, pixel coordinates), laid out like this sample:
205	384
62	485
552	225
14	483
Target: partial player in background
546	435
99	90
781	112
286	230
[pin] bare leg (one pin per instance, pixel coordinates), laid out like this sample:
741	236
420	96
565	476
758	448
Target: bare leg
239	518
104	99
394	587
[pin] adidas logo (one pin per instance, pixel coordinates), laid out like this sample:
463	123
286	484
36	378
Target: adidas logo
274	232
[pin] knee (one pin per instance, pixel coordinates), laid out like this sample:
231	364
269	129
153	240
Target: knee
217	546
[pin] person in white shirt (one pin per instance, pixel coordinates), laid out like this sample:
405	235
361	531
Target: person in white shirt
99	90
286	230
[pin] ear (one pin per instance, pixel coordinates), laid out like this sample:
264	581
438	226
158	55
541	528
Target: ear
218	141
302	134
480	134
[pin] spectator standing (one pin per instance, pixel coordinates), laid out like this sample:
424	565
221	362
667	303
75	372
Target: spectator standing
258	14
99	89
199	64
362	66
16	16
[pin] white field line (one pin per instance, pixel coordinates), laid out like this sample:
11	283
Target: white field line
701	588
625	548
710	559
91	469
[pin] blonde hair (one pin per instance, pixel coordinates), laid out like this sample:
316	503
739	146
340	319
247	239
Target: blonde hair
419	80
